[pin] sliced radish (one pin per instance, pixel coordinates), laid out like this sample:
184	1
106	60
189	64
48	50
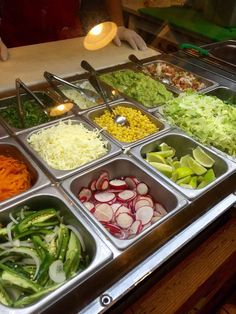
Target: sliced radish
104	197
130	182
104	184
157	214
141	203
122	209
103	212
124	220
160	209
118	184
90	206
126	195
93	185
144	214
85	195
115	206
142	188
148	198
136	180
113	229
136	227
104	175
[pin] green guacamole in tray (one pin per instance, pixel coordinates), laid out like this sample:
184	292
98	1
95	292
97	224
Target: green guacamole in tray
138	86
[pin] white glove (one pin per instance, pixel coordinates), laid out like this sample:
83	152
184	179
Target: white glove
3	51
135	41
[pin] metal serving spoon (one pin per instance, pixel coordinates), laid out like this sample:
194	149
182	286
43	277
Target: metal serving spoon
87	93
94	81
19	85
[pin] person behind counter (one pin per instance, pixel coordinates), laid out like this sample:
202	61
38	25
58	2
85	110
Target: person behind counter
27	22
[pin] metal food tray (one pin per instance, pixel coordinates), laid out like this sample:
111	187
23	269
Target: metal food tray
4	102
224	51
97	250
117	167
112	95
224	93
208	83
184	145
9	147
62	174
3	132
92	114
134	69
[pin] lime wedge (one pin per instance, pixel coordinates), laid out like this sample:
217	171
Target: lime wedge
186	186
209	176
196	167
163	168
174	177
167	153
183	172
203	158
184	180
155	157
176	164
193	182
202	185
184	160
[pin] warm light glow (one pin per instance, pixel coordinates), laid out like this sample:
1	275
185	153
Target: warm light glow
60	109
96	30
100	36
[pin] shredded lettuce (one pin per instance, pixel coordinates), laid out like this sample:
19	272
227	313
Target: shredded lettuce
206	118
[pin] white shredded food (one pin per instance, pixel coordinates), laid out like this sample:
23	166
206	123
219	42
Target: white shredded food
66	146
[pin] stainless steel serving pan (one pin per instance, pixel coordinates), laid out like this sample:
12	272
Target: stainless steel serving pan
98	252
184	145
111	96
11	148
224	93
117	167
5	102
208	83
62	174
162	126
224	51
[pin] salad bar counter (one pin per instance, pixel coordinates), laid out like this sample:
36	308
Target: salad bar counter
90	208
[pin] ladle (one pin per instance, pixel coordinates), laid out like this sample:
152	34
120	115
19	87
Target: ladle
19	85
87	93
94	81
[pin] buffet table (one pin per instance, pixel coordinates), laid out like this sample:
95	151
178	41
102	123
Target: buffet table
118	266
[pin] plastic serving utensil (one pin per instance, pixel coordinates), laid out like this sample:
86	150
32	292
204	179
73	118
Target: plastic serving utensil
94	81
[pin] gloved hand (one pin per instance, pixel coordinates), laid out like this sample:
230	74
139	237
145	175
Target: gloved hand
3	51
135	41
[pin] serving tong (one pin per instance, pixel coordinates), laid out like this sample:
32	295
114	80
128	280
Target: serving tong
87	93
95	82
20	85
139	65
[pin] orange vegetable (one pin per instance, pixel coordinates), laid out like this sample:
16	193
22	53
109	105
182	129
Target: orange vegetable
14	177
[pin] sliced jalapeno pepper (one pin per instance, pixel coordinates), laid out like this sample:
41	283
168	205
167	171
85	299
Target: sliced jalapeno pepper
73	253
38	217
4	297
62	242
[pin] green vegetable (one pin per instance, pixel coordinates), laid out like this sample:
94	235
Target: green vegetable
72	256
33	115
62	243
4	297
139	86
36	218
15	279
206	118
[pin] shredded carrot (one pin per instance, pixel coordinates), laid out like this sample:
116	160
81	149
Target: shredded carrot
14	177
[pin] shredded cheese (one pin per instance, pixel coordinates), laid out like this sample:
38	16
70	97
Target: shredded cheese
66	146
